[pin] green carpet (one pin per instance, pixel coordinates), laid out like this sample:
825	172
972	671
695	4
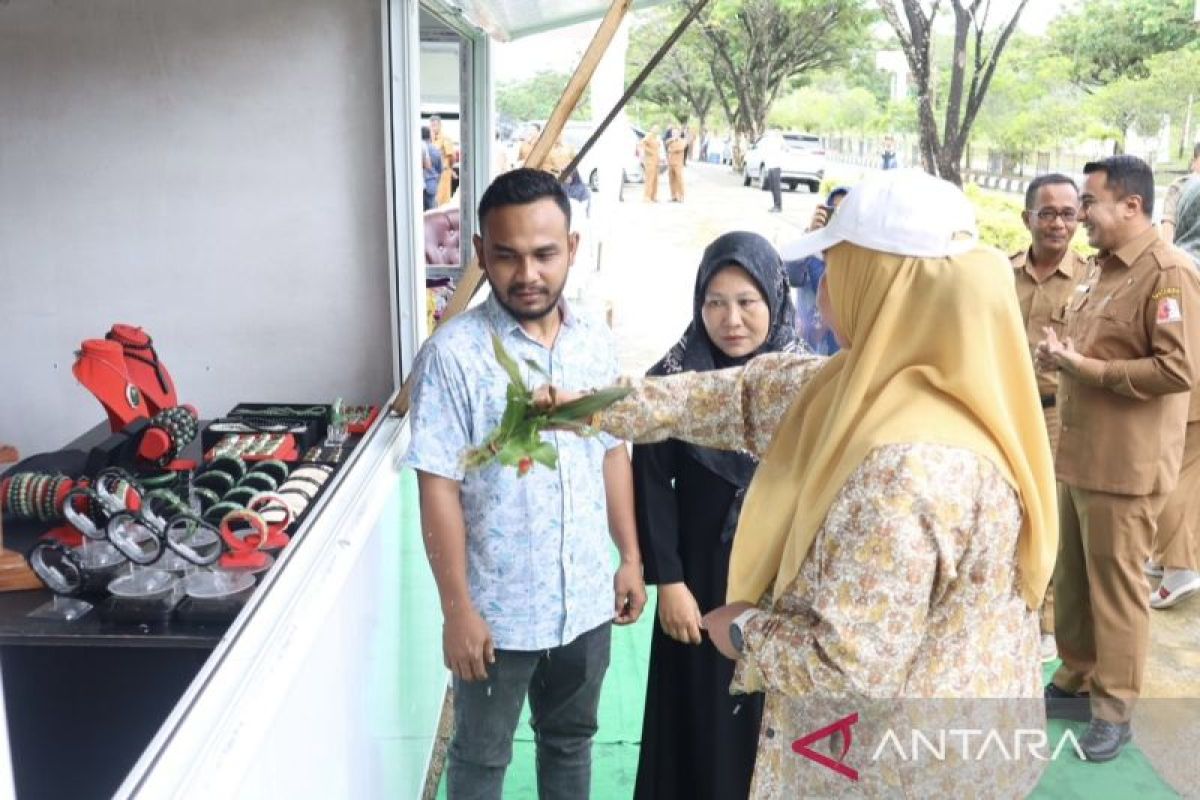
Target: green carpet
615	754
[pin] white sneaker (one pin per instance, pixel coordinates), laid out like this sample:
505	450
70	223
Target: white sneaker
1048	648
1177	585
1152	569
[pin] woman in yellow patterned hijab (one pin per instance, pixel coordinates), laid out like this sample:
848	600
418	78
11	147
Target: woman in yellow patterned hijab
936	354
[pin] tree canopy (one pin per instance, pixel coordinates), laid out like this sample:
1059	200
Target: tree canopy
1106	40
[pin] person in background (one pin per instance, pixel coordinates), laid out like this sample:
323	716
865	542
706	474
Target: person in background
523	563
698	741
899	532
1125	369
560	158
431	169
499	156
1167	225
805	276
677	145
651	151
531	137
773	173
449	150
1045	275
888	156
1174	558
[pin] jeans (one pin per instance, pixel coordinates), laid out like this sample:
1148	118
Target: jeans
563	684
776	185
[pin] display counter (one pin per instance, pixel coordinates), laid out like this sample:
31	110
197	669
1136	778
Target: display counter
331	681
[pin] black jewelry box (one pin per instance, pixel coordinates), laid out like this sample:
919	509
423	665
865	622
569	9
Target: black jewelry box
309	424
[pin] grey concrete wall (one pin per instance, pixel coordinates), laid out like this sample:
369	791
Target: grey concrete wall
212	171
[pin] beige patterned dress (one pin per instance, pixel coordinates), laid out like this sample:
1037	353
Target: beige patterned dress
906	612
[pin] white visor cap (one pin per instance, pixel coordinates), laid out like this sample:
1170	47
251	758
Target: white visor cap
906	212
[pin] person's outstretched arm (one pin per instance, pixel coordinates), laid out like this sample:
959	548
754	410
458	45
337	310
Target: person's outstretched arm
730	409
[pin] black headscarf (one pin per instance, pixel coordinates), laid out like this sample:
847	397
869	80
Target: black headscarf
696	352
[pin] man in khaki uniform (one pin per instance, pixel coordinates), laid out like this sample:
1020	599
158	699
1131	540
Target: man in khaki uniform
677	147
651	156
528	142
1175	557
1125	369
449	149
559	159
1046	274
1171	199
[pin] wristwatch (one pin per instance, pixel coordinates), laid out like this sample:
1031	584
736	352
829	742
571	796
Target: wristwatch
735	628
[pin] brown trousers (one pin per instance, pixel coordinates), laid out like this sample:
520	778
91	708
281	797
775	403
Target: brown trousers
675	174
1175	541
1102	596
650	169
1047	614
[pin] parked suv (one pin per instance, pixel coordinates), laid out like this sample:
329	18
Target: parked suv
800	157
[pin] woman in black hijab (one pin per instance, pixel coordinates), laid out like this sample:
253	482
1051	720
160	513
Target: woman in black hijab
698	741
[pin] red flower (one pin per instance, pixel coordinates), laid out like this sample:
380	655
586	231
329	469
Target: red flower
524	465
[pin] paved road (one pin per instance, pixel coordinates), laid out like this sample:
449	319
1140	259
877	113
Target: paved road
652	250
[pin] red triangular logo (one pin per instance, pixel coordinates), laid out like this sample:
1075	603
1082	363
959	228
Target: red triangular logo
801	746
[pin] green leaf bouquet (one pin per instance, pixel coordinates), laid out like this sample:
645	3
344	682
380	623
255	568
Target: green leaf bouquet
517	442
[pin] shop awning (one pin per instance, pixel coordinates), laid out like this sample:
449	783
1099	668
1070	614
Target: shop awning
511	19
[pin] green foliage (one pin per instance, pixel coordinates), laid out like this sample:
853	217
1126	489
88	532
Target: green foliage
534	98
1106	40
517	440
757	49
1030	99
999	219
680	87
1142	102
808	109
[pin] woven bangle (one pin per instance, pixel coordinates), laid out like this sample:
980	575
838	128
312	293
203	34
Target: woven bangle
239	520
270	506
58	566
305	486
216	480
135	536
161	480
275	468
92	518
296	500
239	496
159	505
193	539
217	513
259	482
206	498
309	476
234	467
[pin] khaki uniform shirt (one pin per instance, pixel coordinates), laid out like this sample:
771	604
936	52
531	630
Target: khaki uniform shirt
558	159
1171	199
651	150
675	150
1044	305
1136	319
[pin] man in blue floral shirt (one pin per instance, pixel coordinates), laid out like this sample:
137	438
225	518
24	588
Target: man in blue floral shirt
523	563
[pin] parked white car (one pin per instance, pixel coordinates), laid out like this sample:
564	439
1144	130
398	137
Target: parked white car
576	133
800	157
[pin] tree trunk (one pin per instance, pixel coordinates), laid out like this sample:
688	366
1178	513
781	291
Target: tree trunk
948	165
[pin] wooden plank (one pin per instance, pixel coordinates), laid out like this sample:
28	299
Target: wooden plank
472	276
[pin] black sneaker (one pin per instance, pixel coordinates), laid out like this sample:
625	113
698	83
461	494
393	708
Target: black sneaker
1104	740
1061	704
